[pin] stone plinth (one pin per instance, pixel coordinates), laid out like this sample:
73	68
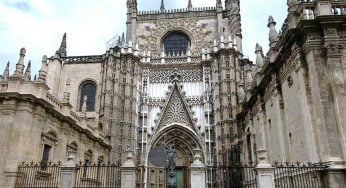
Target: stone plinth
197	170
67	172
128	177
265	175
128	172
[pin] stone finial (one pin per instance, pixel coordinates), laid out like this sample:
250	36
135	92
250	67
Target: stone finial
123	38
230	41
249	77
129	50
27	74
162	7
241	93
62	50
84	107
6	73
222	41
259	56
273	34
20	64
215	48
189	6
43	71
136	49
129	158
188	53
66	98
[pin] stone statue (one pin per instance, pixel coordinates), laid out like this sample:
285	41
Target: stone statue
171	154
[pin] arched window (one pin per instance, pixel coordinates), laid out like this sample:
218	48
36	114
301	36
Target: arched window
176	42
87	89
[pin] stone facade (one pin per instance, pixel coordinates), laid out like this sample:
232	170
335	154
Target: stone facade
208	101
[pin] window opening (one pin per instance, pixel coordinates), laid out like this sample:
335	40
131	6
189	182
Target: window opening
176	43
88	89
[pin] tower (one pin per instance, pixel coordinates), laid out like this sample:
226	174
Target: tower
118	104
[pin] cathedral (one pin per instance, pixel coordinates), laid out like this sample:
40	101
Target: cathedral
178	80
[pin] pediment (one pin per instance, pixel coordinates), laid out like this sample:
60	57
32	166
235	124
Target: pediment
176	111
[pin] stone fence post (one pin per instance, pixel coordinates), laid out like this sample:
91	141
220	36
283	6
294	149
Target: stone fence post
265	172
67	172
128	172
198	179
336	174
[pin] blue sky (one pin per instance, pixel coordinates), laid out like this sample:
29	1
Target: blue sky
38	25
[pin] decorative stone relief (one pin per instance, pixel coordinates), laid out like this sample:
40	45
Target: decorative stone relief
150	35
175	111
193	75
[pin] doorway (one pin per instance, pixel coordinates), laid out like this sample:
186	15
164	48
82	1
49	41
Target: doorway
182	177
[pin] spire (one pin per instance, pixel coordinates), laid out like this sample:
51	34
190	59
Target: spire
27	74
43	71
189	6
259	57
62	50
6	73
20	64
162	8
273	34
123	38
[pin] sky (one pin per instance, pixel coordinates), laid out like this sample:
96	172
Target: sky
38	25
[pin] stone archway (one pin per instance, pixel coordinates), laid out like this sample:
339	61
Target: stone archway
185	140
187	145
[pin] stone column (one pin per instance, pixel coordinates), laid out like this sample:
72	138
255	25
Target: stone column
197	170
265	172
128	172
67	172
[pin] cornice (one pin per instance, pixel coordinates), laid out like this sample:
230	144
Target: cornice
50	109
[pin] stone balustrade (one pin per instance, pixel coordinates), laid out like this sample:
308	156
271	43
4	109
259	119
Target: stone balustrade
308	8
53	101
176	13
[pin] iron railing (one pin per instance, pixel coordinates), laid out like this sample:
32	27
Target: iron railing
299	175
38	175
97	175
236	175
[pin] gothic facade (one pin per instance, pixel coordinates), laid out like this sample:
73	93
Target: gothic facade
179	77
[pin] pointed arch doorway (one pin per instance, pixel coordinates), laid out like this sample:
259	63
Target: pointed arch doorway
186	144
175	126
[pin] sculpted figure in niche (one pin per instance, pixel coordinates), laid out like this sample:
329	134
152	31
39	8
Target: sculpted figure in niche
171	154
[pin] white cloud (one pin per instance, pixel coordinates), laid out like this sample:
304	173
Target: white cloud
39	25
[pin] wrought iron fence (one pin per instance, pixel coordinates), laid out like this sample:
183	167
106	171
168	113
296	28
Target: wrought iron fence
38	175
97	175
300	175
236	175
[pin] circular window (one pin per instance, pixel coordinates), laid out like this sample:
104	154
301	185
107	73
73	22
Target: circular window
176	42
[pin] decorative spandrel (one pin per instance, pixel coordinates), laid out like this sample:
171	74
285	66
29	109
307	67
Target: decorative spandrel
175	112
